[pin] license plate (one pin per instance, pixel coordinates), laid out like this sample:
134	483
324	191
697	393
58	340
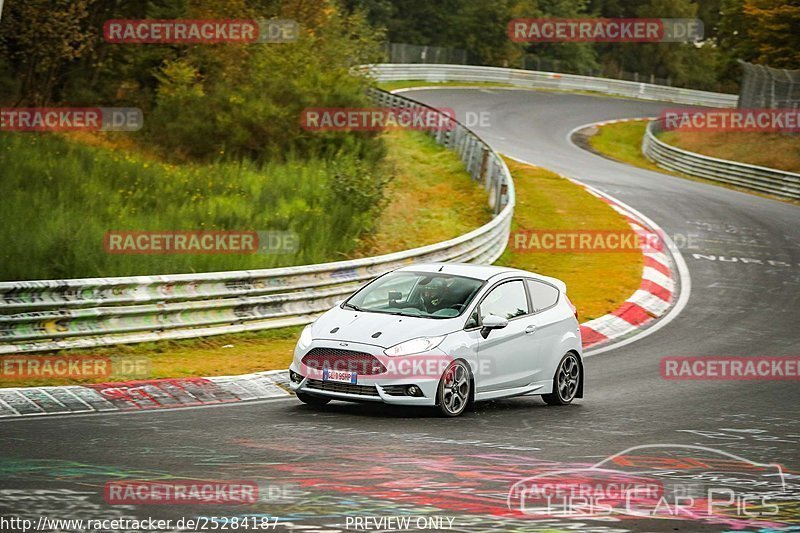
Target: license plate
338	375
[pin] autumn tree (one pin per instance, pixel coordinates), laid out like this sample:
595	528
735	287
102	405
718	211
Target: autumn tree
39	38
773	27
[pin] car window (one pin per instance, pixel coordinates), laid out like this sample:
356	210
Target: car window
379	293
507	300
423	294
542	294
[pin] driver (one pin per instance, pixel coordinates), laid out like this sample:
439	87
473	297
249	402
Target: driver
434	295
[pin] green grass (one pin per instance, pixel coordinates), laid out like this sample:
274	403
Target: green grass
60	197
597	283
773	150
430	199
223	355
622	141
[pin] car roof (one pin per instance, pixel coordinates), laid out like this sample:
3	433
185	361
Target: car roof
482	272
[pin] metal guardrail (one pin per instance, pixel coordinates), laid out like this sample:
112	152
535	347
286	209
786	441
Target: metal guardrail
58	314
772	181
768	180
82	313
550	80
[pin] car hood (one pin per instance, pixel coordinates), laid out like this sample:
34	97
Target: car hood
360	326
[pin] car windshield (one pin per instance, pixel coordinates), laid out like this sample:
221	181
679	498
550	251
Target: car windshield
422	294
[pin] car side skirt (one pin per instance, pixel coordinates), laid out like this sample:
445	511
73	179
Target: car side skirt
540	387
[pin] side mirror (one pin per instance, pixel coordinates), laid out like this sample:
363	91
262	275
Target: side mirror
395	295
491	322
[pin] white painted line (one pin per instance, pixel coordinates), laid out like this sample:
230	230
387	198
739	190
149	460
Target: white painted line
659	257
572	132
611	326
54	399
637	228
68	390
10	409
621	211
649	302
19	390
651	274
149	411
683	298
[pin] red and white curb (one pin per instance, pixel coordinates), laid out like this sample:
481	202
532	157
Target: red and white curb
654	300
653	297
662	296
142	395
663	291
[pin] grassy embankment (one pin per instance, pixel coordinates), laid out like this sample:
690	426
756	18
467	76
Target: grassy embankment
597	283
62	196
430	199
623	141
774	150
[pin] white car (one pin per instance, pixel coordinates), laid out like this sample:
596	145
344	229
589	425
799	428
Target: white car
446	335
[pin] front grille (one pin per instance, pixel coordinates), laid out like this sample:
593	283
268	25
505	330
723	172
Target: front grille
361	363
349	388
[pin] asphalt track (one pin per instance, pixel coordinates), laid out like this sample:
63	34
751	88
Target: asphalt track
317	467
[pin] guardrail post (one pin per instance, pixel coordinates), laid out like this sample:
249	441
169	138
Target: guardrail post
468	157
484	164
492	170
499	187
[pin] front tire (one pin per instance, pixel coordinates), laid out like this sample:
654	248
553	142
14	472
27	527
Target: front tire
566	381
454	390
310	399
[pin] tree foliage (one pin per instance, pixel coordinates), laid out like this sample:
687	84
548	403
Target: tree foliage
203	101
764	31
773	27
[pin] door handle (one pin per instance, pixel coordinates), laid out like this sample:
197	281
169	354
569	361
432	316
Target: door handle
530	329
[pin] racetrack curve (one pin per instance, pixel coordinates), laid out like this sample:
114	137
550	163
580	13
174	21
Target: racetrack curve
373	460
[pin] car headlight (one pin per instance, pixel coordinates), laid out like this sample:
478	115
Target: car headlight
305	337
413	346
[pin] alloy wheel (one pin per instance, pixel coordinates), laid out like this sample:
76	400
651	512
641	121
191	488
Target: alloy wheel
455	389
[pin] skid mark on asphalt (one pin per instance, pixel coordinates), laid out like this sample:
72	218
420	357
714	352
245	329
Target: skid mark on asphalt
318	468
